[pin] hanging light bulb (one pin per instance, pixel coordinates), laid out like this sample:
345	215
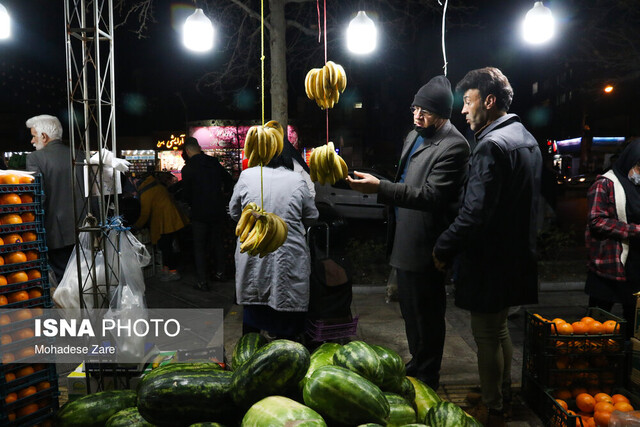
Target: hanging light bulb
197	33
362	34
5	23
538	26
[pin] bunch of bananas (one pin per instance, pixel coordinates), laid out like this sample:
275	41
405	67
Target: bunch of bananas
260	232
262	143
325	84
326	166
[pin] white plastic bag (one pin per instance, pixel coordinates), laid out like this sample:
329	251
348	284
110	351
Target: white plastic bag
619	419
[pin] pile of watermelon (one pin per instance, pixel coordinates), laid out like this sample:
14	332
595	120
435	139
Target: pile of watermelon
274	384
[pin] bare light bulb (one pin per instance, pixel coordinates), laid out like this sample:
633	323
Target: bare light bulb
5	23
362	34
538	26
197	33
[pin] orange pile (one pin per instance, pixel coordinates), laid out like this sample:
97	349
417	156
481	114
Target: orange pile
594	410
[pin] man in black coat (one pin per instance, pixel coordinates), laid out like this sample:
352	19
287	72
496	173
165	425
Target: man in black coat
204	184
494	234
426	195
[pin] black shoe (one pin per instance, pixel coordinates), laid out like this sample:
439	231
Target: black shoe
202	286
411	368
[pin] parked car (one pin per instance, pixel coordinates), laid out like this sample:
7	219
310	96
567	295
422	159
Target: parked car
340	201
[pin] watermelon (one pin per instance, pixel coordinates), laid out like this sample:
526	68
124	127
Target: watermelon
407	391
275	369
207	424
472	422
446	414
359	357
279	411
393	368
321	356
401	411
425	397
129	417
370	425
186	397
182	367
344	397
95	409
246	346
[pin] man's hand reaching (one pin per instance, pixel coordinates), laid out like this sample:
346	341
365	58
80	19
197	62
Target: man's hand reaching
366	183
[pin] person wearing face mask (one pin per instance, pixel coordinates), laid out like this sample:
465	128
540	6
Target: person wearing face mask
52	159
425	195
613	236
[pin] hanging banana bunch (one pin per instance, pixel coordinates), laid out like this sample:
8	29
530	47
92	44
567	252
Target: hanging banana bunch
262	143
260	232
326	166
325	84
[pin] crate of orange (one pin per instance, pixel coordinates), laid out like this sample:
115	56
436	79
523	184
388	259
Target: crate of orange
30	403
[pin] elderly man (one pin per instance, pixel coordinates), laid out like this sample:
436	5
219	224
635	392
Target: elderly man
52	159
426	195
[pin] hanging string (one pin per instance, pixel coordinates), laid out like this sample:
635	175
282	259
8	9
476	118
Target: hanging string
262	91
319	24
325	61
444	51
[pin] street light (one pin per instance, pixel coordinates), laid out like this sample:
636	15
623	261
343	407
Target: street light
5	23
538	26
361	34
197	33
608	89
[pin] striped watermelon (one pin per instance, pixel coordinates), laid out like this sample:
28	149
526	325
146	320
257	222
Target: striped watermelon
246	346
206	424
275	369
393	367
425	397
401	411
344	397
370	425
280	411
359	357
407	391
93	410
446	414
321	356
129	417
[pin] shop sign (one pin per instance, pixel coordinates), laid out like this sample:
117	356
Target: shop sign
173	143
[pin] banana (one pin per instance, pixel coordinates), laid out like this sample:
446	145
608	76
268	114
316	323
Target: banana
274	241
267	235
337	168
253	158
327	75
330	155
273	144
334	73
343	167
307	84
320	88
342	78
242	222
250	240
262	145
275	125
251	221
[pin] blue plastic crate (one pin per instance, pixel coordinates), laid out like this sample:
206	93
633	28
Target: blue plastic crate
47	374
39	263
34	245
47	400
20	228
21	208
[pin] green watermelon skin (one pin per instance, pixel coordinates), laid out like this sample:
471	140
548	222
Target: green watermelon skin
393	368
181	367
401	412
94	409
446	414
129	417
472	422
186	397
407	390
426	398
207	424
246	347
359	357
322	356
342	396
274	369
279	411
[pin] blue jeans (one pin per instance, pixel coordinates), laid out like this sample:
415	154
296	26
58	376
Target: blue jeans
495	352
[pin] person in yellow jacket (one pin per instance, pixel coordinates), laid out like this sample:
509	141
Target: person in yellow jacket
159	212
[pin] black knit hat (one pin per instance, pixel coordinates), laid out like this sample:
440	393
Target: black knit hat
436	97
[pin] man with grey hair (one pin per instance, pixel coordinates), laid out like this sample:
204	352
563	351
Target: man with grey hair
52	159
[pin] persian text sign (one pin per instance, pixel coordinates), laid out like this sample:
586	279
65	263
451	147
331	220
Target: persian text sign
121	336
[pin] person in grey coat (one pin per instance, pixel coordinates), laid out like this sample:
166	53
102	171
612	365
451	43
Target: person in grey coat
52	159
426	195
494	234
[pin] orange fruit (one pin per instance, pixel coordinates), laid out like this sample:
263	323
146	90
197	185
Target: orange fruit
611	327
28	409
563	362
28	391
15	257
26	198
43	385
602	418
18	296
564	329
28	217
10	199
580	327
29	236
623	407
3	300
4	319
34	274
578	390
587	319
31	255
25	179
596	328
3	280
563	394
9	178
9	376
17	277
603	406
11	397
603	397
12	238
1	241
1	260
23	372
36	311
619	398
23	314
35	293
585	402
26	352
11	416
38	366
10	219
23	334
8	358
6	339
563	404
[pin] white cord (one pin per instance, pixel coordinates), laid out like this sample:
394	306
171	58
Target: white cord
444	50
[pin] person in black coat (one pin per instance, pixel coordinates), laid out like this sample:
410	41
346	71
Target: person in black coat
204	185
494	234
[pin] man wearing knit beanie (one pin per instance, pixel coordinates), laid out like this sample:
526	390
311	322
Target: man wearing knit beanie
425	199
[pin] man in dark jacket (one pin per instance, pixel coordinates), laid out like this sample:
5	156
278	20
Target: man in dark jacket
204	184
494	234
426	195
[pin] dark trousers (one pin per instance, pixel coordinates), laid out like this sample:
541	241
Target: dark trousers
423	301
58	259
205	234
170	257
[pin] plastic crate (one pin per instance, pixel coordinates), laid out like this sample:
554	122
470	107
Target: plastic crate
34	187
34	245
46	399
594	371
331	329
47	405
39	264
47	373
